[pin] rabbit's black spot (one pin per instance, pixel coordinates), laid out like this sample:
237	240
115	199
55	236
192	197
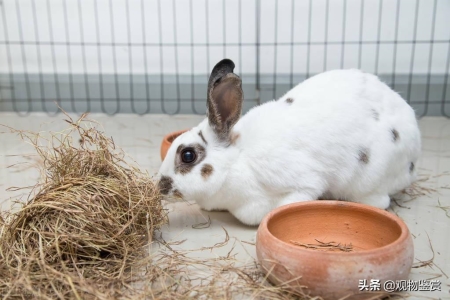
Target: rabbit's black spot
207	170
395	135
289	100
203	138
411	167
375	114
165	185
364	156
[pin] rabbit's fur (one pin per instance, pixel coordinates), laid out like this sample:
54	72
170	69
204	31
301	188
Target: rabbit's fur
342	134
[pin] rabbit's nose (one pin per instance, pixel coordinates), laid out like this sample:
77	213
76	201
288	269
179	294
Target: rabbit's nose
165	185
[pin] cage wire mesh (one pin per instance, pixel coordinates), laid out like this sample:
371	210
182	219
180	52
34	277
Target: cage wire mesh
155	56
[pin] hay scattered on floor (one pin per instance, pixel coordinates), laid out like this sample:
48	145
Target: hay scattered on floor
85	224
419	188
326	246
182	274
446	209
430	262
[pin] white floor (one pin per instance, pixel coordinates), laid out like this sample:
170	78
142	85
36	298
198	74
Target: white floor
140	137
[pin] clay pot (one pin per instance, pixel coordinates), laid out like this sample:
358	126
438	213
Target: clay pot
382	247
167	142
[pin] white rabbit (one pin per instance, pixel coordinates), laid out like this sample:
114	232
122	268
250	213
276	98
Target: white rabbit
342	134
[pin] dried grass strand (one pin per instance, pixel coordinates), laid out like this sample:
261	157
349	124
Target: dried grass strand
325	246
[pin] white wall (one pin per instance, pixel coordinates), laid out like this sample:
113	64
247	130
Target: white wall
36	27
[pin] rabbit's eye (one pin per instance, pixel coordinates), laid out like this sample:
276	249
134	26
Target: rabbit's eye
188	155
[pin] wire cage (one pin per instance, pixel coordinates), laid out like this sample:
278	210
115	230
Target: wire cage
154	56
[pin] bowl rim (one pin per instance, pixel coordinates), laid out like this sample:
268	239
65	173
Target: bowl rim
174	133
404	235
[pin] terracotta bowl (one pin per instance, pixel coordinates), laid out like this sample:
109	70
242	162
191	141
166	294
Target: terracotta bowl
381	247
167	141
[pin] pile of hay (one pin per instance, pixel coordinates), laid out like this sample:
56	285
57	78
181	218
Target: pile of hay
84	228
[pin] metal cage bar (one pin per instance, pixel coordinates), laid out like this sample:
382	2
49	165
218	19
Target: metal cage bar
141	57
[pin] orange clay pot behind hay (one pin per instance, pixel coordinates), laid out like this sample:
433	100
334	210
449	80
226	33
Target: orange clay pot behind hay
381	247
167	142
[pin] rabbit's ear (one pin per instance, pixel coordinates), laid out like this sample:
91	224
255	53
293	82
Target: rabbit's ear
225	98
